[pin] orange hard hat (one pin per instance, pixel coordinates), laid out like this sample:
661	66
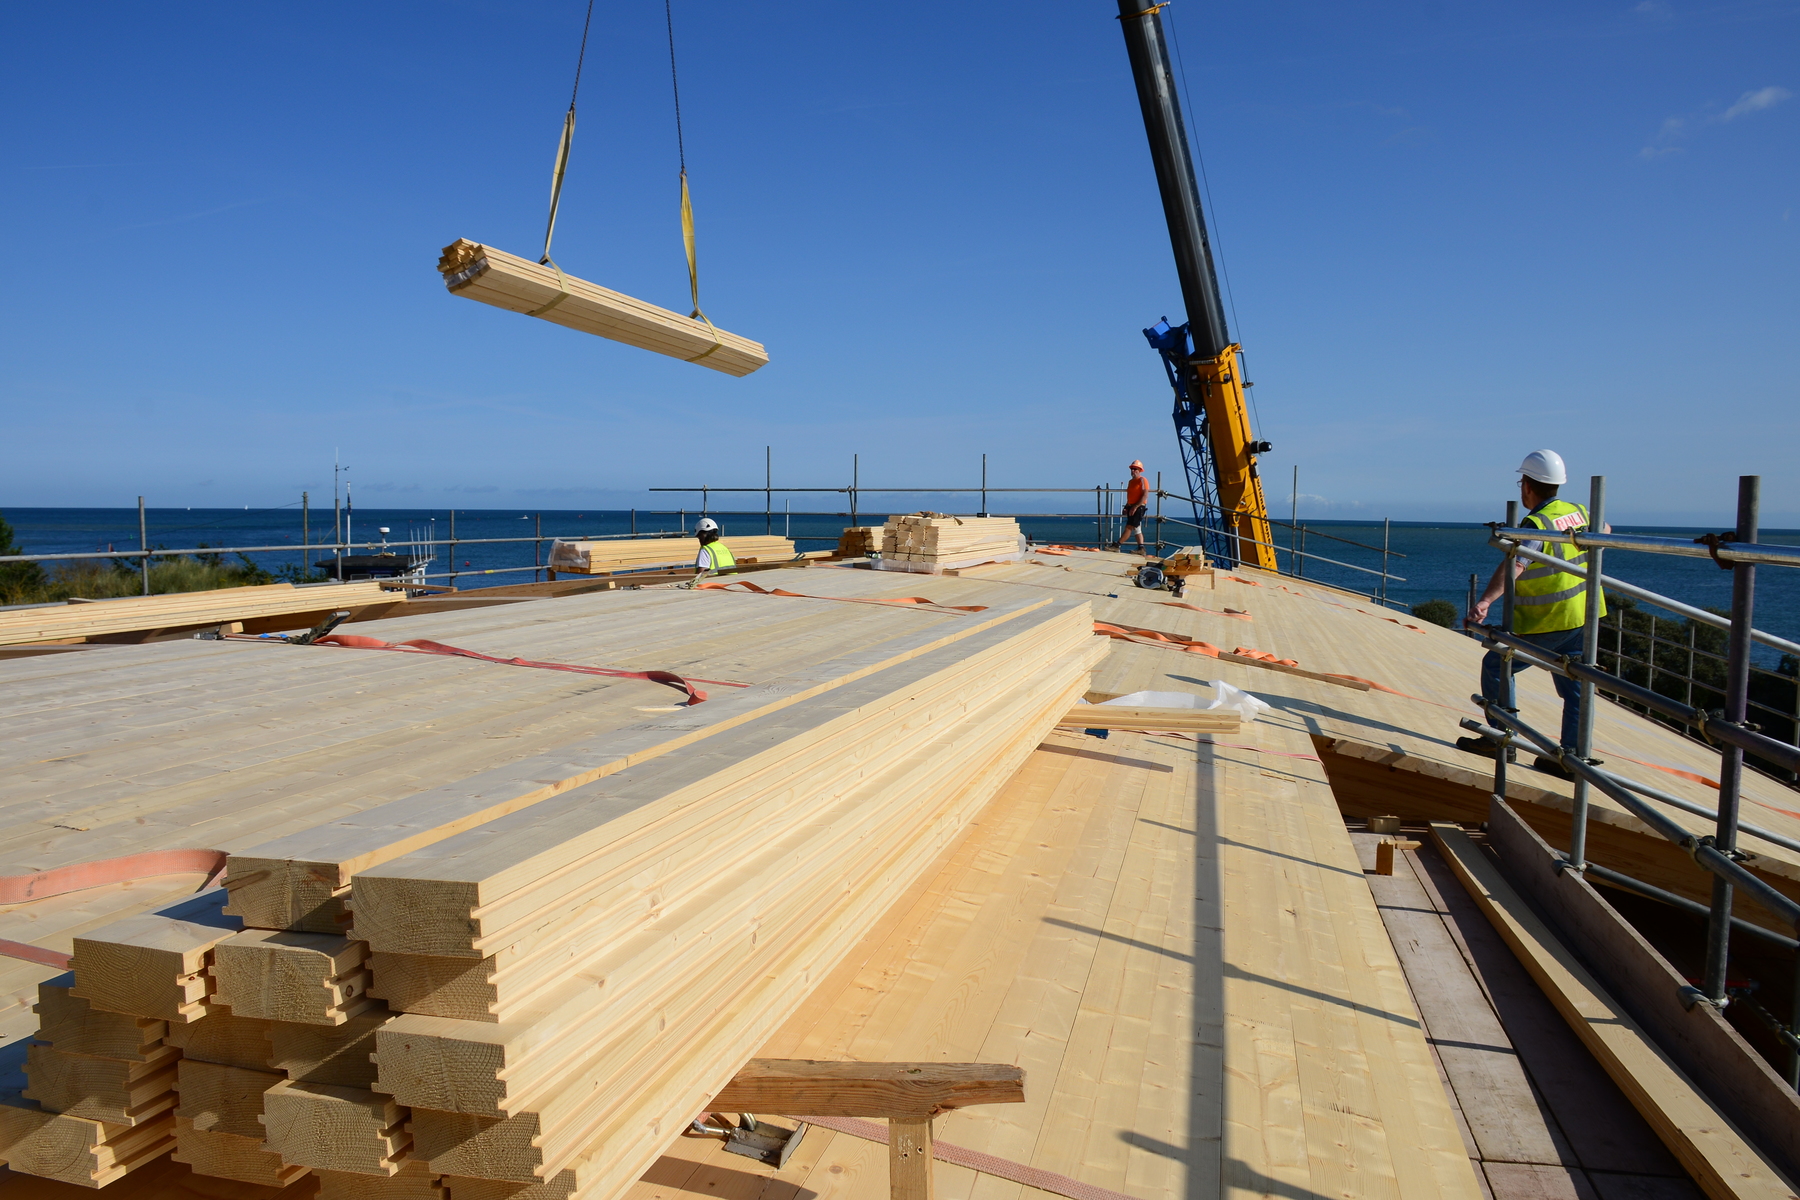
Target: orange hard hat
1136	465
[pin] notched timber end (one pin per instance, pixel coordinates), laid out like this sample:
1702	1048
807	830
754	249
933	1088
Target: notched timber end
277	893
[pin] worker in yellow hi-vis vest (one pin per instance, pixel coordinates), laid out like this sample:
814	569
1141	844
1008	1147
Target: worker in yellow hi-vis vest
715	556
1549	604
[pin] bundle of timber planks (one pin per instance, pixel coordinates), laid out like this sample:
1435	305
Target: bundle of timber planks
634	554
941	540
181	610
507	281
859	541
484	989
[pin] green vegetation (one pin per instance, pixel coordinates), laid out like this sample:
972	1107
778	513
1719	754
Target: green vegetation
17	578
102	579
1685	660
1438	612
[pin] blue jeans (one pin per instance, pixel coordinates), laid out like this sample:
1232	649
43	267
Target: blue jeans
1554	645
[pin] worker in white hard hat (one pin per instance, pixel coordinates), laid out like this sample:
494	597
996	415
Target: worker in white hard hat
1136	493
1549	604
714	556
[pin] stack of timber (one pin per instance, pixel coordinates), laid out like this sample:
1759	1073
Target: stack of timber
598	966
515	981
936	540
507	281
633	554
81	621
859	541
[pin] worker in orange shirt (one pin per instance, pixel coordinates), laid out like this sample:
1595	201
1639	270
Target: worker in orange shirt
1136	493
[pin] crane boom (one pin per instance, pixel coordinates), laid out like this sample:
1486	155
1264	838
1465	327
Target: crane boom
1212	422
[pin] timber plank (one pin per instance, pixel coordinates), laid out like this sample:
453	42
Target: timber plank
1696	1133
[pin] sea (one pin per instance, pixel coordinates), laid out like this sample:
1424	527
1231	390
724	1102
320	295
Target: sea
1427	561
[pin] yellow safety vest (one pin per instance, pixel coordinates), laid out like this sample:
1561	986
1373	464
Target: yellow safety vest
1547	599
722	557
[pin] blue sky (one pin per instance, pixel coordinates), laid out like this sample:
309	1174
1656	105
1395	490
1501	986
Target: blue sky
1453	232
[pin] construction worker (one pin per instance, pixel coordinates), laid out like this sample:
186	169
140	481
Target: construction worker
714	556
1135	493
1549	604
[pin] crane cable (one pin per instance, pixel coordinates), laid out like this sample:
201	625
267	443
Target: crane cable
556	175
687	204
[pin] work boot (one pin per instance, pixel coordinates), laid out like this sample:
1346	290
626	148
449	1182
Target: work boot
1485	748
1550	766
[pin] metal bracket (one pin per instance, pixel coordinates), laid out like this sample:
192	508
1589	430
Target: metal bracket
1691	995
768	1144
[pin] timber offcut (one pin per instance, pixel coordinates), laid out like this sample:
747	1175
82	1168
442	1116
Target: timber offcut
870	851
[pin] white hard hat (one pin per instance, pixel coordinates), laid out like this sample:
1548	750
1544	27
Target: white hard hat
1545	466
708	525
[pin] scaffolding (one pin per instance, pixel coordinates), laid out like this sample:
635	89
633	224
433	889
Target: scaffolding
1727	728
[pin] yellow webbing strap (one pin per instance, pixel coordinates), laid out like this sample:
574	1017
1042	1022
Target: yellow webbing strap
556	182
562	283
687	239
556	177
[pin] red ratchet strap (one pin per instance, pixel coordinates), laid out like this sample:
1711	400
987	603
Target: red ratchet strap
1382	687
1239	613
975	1160
902	601
351	641
18	889
36	954
1700	779
1703	781
1264	656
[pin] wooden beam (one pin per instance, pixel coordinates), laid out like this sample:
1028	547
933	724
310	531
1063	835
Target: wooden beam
309	978
223	1099
909	1160
507	281
101	1089
71	1024
231	1156
225	1039
331	1128
153	965
77	1150
1698	1038
896	1090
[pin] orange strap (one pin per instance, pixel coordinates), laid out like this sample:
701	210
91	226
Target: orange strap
902	601
975	1160
36	954
1689	775
1239	613
39	885
351	641
1150	637
1263	656
1055	550
1704	781
1382	687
